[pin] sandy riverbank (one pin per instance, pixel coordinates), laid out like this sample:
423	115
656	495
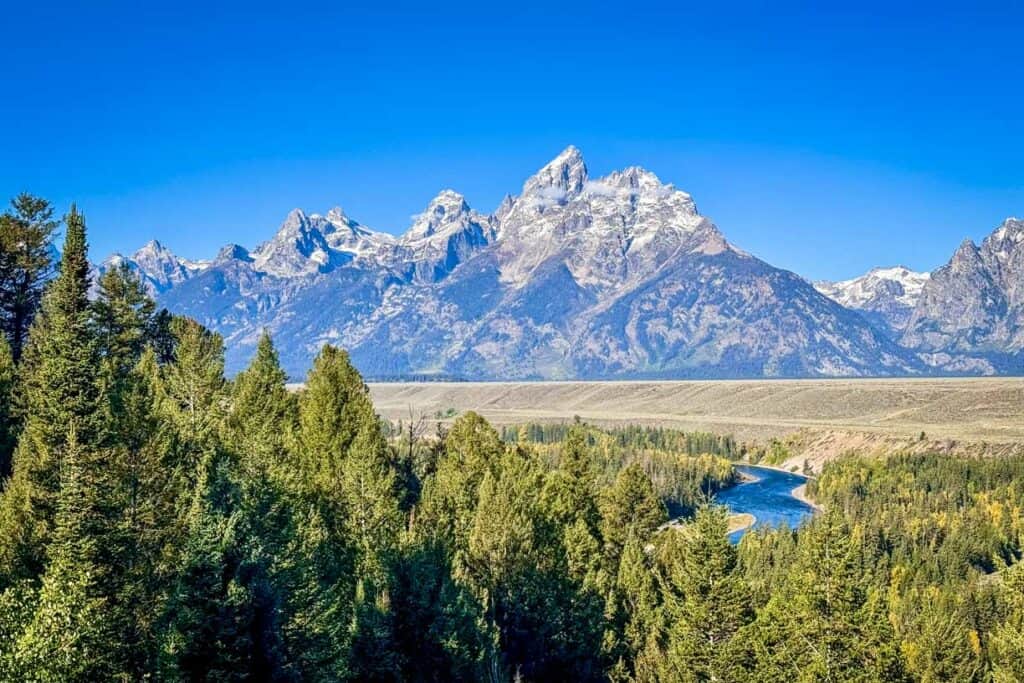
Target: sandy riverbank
800	493
740	521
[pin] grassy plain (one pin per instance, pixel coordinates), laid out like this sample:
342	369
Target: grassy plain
955	409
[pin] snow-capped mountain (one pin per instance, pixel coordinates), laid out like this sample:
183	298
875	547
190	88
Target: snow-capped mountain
974	305
157	267
617	276
887	296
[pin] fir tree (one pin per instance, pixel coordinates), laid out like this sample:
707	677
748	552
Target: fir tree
629	508
9	422
26	243
123	318
222	615
59	388
191	395
68	638
139	513
826	622
1008	639
707	601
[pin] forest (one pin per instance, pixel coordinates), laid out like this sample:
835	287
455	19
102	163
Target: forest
162	522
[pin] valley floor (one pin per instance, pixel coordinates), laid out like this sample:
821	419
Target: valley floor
829	415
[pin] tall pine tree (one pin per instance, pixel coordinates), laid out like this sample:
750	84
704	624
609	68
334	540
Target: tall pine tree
26	264
59	388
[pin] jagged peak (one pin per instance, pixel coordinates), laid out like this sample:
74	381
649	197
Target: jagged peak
967	252
338	215
233	252
446	209
153	249
1012	228
566	174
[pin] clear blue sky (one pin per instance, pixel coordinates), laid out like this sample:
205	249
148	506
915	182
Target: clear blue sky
823	141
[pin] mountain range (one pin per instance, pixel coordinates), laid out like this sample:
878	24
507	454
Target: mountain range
579	277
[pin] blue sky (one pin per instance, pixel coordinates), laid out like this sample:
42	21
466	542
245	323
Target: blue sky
824	141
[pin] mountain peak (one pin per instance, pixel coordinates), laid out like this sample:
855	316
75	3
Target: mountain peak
447	209
1012	228
338	215
153	249
566	174
233	252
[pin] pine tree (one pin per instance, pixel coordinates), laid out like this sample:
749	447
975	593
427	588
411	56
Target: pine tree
632	640
346	495
261	414
706	599
68	638
9	422
1008	639
629	508
470	449
59	388
191	396
222	615
26	264
571	490
123	318
139	514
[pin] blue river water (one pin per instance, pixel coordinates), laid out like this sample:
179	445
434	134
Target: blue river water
769	498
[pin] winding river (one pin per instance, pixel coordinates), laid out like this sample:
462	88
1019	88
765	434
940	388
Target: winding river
769	498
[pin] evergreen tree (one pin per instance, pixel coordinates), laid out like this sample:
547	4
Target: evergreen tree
26	264
1008	639
629	508
632	641
706	599
59	388
471	449
123	319
191	396
68	638
9	422
345	494
139	516
222	615
571	490
261	413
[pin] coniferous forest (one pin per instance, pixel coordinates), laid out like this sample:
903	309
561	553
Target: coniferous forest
160	522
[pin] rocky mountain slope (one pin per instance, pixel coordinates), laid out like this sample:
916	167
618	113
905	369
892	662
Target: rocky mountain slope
618	276
886	296
971	312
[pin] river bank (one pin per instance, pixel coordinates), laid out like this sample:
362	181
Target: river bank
800	493
741	521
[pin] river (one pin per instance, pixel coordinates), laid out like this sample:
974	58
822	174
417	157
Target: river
769	498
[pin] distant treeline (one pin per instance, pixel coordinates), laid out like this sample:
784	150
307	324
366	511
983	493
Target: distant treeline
415	377
631	436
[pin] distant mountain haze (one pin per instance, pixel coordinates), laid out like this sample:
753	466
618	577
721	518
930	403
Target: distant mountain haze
579	277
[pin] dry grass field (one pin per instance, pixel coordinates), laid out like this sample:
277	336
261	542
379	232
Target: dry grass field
963	410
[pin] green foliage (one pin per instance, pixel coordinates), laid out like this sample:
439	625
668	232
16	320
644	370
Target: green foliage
706	600
9	421
26	240
59	389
